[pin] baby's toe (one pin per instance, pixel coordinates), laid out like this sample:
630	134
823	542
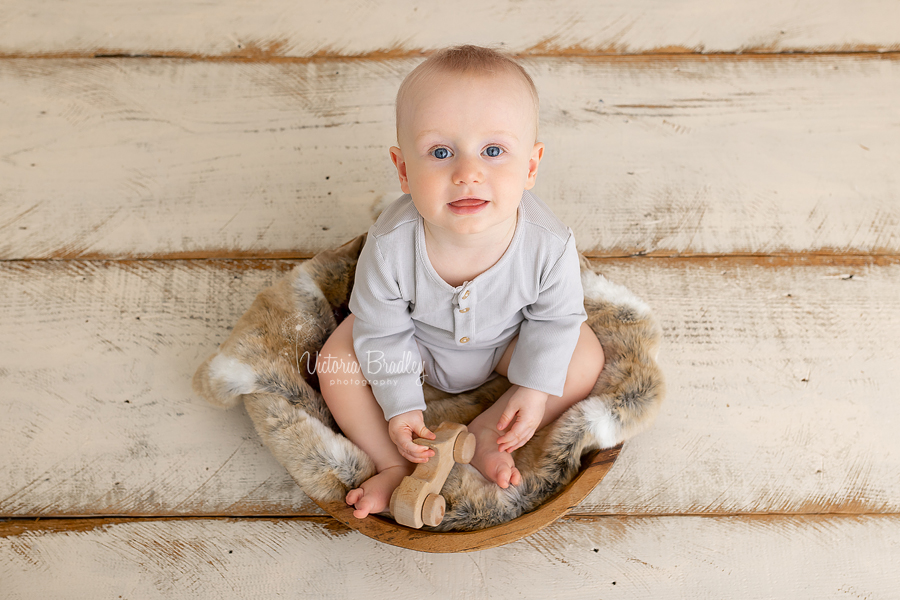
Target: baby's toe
363	507
361	501
515	477
369	504
354	496
503	476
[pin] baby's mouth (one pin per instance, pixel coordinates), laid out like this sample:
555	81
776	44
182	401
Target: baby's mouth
467	206
465	202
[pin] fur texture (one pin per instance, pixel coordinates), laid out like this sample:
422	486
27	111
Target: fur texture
269	362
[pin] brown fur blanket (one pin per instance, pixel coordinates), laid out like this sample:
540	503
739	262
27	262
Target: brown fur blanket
269	363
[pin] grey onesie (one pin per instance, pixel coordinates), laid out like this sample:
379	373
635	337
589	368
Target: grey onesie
409	320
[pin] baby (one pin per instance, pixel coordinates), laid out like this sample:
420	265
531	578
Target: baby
466	276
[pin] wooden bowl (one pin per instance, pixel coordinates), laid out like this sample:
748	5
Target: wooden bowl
594	468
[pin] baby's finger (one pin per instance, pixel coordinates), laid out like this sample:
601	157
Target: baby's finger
511	440
506	442
515	444
416	453
409	455
506	418
414	458
506	438
515	438
512	448
426	433
515	432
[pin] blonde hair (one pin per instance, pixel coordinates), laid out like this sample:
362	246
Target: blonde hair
465	60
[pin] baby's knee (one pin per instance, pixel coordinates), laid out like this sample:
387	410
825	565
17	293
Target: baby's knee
587	363
596	357
337	355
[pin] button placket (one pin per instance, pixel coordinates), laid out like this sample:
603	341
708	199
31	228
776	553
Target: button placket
462	315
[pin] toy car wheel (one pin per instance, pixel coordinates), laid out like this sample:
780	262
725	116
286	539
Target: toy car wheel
464	448
433	510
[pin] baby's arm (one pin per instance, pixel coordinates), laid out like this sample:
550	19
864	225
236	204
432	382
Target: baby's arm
546	341
387	353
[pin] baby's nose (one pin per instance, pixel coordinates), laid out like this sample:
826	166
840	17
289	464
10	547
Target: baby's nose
468	170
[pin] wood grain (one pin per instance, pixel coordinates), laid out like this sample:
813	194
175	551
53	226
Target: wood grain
95	388
277	28
782	391
798	558
783	368
670	156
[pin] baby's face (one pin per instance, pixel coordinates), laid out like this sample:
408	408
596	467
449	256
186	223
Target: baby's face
467	151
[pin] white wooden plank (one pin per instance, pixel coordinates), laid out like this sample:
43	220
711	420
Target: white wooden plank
355	27
782	391
167	158
95	389
665	557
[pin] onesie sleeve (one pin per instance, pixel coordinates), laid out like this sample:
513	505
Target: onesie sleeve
552	324
383	335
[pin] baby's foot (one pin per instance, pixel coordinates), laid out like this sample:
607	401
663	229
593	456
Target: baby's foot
497	466
374	495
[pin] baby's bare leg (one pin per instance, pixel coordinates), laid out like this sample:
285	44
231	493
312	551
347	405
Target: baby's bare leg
584	369
359	416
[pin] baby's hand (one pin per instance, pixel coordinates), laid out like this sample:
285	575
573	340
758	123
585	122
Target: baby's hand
524	410
403	429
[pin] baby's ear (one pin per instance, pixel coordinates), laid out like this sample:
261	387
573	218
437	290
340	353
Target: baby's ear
397	158
537	153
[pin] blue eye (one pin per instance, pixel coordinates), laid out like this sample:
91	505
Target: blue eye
493	151
440	153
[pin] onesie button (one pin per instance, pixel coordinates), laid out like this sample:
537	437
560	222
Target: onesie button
463	340
464	310
466	295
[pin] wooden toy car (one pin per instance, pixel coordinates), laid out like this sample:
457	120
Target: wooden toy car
417	500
